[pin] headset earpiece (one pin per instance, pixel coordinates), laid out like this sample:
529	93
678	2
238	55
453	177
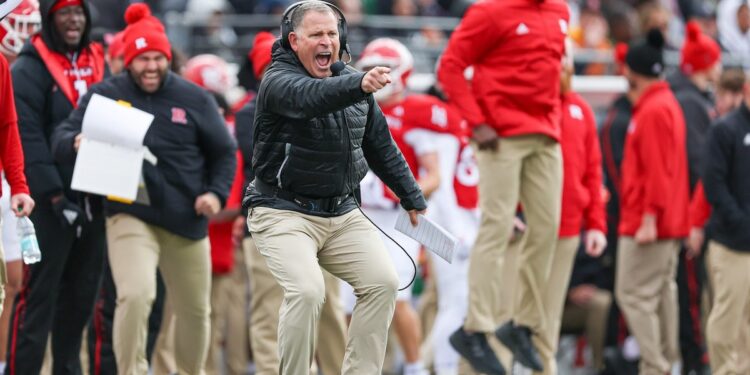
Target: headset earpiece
286	28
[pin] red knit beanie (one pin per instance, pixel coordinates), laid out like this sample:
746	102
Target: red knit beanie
700	52
144	33
59	4
260	55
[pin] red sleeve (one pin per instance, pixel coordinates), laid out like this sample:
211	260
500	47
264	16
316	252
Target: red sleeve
700	209
235	194
11	152
654	148
596	215
474	36
430	113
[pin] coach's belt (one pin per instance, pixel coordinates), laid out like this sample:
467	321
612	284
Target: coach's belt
328	205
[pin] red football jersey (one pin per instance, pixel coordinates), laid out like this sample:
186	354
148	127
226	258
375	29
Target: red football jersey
413	120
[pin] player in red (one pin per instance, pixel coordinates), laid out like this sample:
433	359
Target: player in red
431	136
454	206
381	205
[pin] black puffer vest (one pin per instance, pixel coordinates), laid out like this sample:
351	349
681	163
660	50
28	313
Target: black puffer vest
317	155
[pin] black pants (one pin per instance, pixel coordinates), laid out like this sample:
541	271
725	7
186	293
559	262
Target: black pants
101	352
690	279
57	295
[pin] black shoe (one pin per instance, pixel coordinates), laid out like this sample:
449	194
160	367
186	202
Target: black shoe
475	349
518	340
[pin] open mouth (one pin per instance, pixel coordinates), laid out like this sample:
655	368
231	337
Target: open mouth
72	33
323	59
150	79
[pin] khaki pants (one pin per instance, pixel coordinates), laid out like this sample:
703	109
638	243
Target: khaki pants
266	298
592	319
135	250
727	323
219	301
236	334
162	359
503	306
646	292
528	167
555	293
295	247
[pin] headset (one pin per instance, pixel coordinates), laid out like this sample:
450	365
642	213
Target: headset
286	27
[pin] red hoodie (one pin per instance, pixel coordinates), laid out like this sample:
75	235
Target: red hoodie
654	166
515	47
11	153
582	202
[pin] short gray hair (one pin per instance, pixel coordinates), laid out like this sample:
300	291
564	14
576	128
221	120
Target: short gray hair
315	6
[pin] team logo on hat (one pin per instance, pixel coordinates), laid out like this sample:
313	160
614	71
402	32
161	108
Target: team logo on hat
657	68
179	116
140	43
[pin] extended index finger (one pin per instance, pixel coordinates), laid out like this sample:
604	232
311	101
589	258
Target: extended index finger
383	69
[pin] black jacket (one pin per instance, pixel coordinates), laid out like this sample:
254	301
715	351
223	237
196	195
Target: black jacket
244	127
697	106
41	107
726	178
612	137
316	137
192	158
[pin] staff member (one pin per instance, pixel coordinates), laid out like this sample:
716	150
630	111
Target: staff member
191	179
266	296
693	85
316	136
513	108
654	209
582	208
725	178
54	69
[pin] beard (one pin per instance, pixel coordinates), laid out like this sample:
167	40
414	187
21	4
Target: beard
145	83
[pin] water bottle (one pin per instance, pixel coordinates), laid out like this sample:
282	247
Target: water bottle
29	246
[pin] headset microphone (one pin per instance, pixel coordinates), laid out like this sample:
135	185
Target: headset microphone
337	68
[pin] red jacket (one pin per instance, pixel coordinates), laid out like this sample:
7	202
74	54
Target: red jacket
582	197
654	166
515	47
700	209
11	153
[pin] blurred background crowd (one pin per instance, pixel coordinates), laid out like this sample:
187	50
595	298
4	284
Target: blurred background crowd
226	28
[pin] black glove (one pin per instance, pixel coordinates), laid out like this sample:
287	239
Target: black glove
68	212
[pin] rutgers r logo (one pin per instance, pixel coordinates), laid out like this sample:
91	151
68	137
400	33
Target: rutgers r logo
179	116
140	43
